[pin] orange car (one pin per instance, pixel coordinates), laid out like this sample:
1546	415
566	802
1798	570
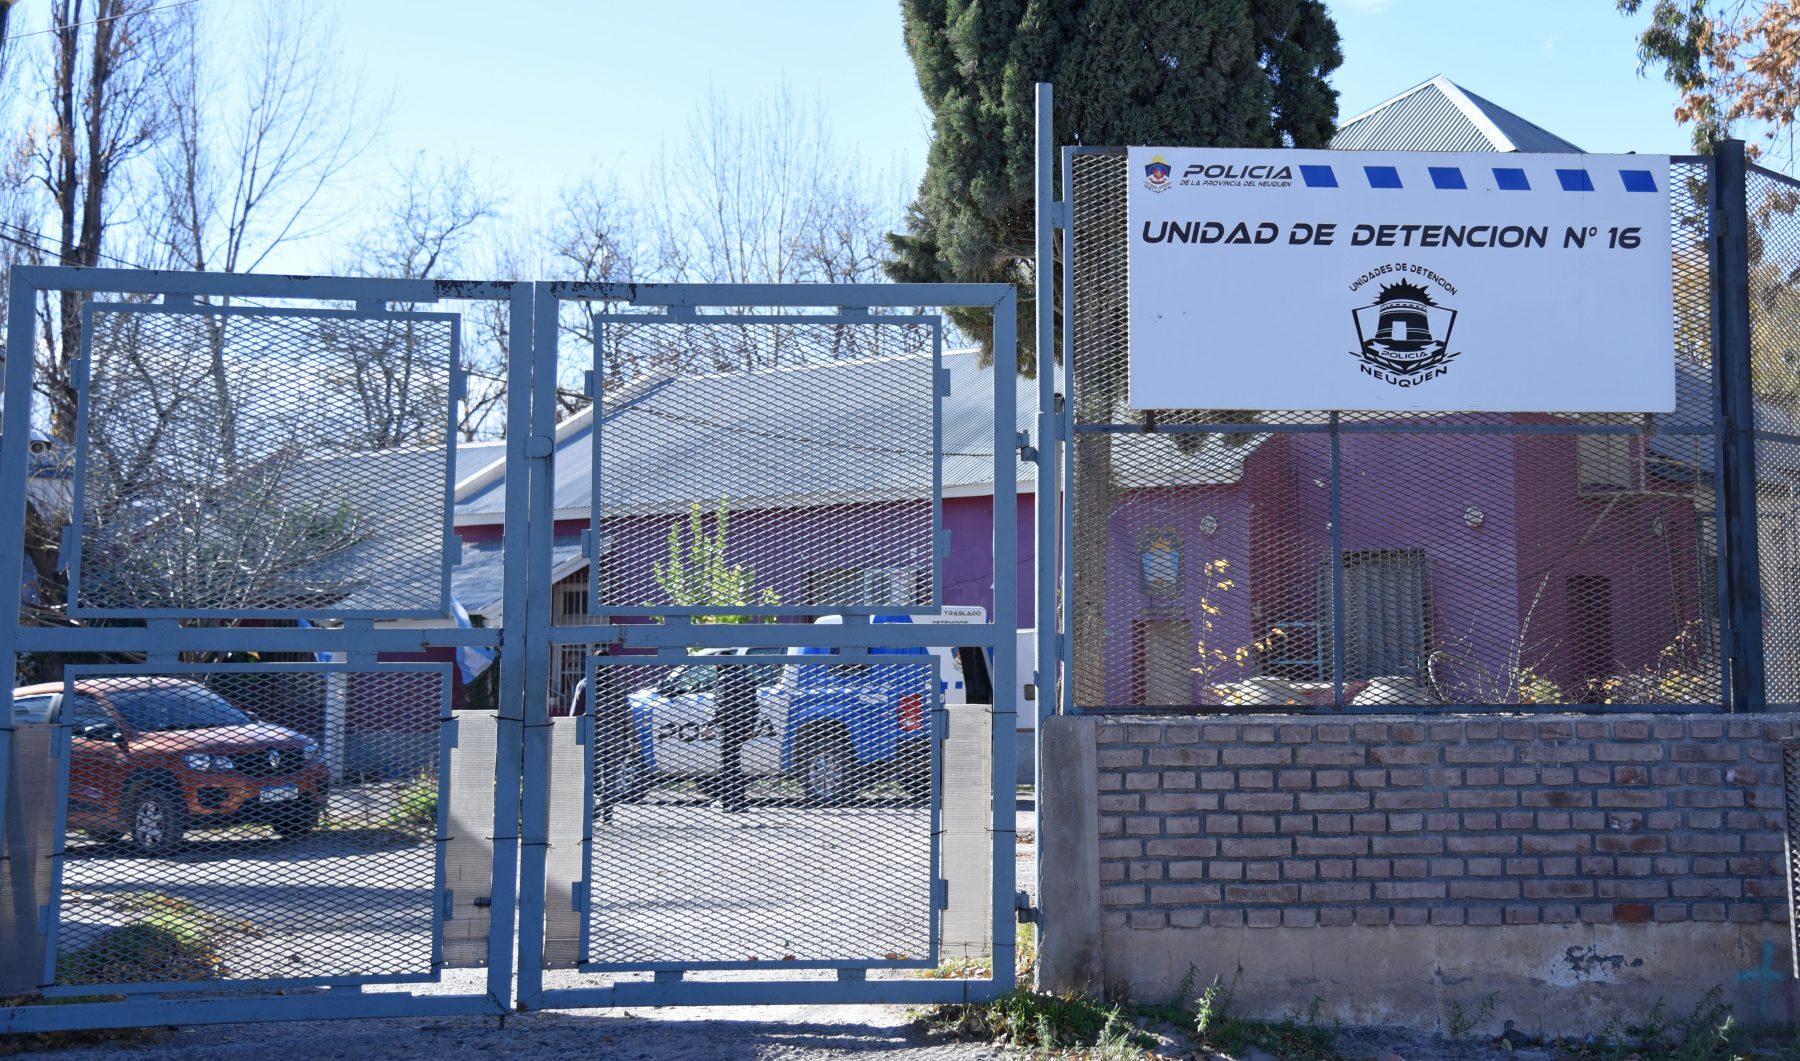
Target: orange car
155	757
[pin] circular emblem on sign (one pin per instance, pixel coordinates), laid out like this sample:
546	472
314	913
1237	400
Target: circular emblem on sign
1403	333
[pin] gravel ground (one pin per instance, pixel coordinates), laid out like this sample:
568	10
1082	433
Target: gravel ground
715	1032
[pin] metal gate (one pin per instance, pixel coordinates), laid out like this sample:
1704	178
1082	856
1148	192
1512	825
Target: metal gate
263	779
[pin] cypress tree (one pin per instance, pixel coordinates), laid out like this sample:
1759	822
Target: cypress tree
1225	73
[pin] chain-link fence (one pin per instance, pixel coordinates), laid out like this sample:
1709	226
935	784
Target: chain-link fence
1226	559
760	810
804	448
246	823
1773	201
238	461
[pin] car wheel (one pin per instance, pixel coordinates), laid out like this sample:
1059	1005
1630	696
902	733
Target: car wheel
297	820
828	773
157	822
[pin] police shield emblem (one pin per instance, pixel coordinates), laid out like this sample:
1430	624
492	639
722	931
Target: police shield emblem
1405	331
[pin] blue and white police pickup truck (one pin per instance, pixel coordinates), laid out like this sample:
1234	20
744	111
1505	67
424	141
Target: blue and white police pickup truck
834	728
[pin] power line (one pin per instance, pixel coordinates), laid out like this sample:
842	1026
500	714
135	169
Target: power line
97	21
43	245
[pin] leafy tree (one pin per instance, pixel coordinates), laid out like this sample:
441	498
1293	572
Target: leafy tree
696	574
1741	62
1228	73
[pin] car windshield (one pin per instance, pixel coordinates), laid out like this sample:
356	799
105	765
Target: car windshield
175	707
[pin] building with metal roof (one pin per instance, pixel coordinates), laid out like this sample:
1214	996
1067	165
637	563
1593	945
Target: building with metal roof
1440	115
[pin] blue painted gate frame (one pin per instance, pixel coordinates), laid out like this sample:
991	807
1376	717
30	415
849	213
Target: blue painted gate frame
521	796
162	639
688	303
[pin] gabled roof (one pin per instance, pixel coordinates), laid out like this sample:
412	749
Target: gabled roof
1441	115
808	435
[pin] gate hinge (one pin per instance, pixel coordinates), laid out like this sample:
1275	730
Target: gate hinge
578	896
452	733
588	379
940	894
587	542
1028	914
454	548
449	913
1027	452
537	447
1715	222
943	543
940	723
1061	214
943	382
66	549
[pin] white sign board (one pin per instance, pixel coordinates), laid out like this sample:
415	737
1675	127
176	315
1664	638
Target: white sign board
1400	281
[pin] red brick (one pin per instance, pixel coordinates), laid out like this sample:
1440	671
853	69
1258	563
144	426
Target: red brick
1274	848
1184	757
1631	913
1484	889
1480	798
1495	753
1415	756
1262	893
1181	848
1631	730
1331	845
1259	801
1409	800
1185	894
1334	893
1276	756
1559	889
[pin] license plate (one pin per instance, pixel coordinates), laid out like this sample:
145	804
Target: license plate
277	793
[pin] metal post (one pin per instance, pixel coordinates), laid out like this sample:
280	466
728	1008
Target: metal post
1065	701
15	457
1337	565
1047	505
1729	238
509	734
1006	637
539	429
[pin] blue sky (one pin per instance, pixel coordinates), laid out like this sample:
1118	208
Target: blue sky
540	92
537	94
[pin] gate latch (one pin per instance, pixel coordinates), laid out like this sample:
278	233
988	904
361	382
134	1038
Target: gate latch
1028	914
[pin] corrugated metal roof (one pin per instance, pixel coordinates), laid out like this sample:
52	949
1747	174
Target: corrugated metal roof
471	457
1441	115
821	433
478	581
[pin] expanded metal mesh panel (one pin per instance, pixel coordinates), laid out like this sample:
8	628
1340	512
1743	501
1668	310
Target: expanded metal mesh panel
761	814
1242	559
1778	554
245	461
768	466
1774	203
1790	791
242	823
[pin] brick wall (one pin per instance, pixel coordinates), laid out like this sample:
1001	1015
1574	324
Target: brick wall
1267	822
